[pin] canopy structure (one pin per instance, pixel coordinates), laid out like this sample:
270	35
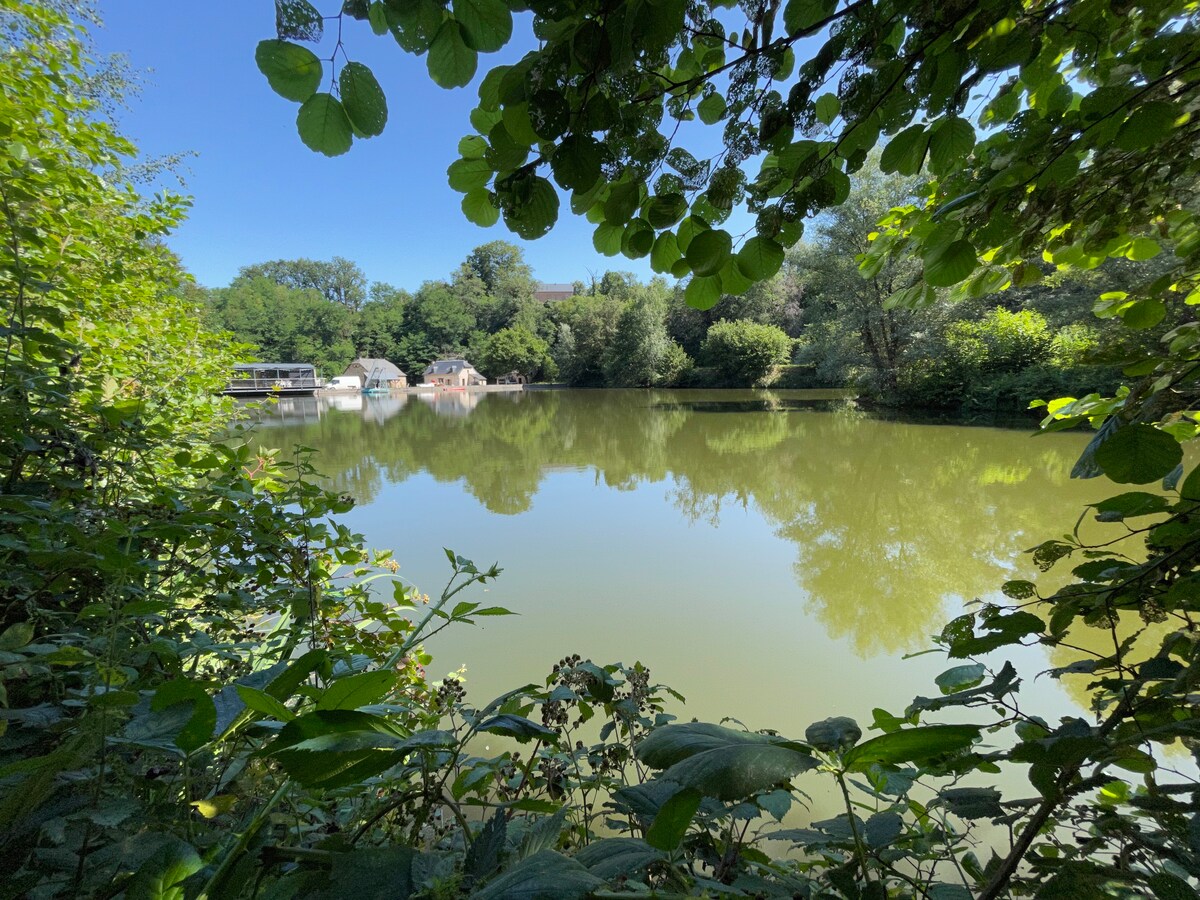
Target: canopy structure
256	379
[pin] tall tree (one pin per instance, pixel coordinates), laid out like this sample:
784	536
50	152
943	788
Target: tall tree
854	310
339	280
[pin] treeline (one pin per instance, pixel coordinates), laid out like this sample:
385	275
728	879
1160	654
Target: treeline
817	323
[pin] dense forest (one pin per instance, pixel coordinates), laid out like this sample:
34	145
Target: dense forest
816	323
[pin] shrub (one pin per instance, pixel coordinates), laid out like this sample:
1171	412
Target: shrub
746	353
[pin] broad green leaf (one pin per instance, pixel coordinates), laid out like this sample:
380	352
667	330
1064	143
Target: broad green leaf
1138	454
800	15
466	175
740	770
16	636
533	209
607	239
702	292
1147	125
950	141
519	727
451	62
1143	248
665	210
324	126
667	745
292	71
915	745
363	100
665	253
709	250
576	162
972	803
905	152
837	733
671	824
478	207
949	264
353	691
960	678
262	702
711	109
486	24
299	20
611	858
827	108
760	258
161	876
543	875
638	239
473	146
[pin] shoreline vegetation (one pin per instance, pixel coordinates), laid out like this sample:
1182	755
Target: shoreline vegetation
803	329
211	688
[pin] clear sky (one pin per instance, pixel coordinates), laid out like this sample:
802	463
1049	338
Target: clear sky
260	194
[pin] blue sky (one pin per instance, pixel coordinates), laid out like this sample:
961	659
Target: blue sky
260	194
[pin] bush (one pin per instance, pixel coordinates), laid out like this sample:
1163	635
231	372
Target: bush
1001	341
746	353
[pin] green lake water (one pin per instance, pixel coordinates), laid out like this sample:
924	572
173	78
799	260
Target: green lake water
770	556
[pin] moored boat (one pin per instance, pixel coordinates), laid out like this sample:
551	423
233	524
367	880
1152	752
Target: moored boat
263	379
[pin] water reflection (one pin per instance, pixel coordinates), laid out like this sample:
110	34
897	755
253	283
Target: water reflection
889	524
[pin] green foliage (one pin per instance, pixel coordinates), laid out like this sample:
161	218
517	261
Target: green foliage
514	350
746	353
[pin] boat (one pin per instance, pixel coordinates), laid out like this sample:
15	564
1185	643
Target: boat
375	383
265	379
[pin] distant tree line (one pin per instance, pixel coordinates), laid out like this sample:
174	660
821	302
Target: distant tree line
818	322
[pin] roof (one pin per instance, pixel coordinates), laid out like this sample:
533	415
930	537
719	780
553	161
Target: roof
447	367
259	366
555	289
381	368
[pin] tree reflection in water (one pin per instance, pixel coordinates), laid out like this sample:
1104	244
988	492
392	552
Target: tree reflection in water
891	522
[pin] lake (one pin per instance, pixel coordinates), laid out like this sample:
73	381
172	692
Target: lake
770	556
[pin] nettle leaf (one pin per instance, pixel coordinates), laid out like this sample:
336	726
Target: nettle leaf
915	745
487	24
451	61
709	250
1138	454
324	125
760	258
292	71
363	99
950	141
